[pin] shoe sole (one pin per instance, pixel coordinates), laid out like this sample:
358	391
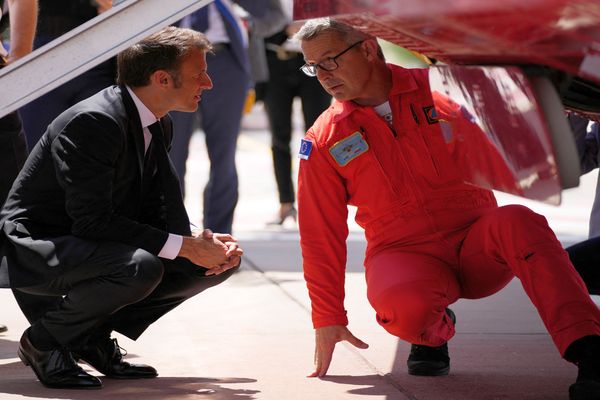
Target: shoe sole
121	377
426	371
27	363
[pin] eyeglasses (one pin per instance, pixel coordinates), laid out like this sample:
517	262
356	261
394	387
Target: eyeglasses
328	64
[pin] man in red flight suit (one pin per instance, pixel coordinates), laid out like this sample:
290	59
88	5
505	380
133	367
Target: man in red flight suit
431	238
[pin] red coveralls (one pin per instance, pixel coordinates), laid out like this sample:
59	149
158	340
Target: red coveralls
431	238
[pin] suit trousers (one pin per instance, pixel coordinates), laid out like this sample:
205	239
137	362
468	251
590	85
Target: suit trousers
220	114
119	288
411	286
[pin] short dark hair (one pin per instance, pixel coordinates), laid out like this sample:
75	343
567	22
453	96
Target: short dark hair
163	50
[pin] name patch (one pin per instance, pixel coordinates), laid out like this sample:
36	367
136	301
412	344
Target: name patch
348	149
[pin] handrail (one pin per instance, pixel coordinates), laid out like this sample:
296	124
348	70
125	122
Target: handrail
86	46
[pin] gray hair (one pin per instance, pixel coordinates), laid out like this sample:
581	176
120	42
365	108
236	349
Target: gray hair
315	27
318	26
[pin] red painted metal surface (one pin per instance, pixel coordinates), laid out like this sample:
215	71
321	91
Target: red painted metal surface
561	34
512	146
499	138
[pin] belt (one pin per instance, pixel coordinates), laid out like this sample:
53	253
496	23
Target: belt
280	52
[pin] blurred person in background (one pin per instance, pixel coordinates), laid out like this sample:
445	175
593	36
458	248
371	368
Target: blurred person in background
221	110
13	144
57	17
287	82
585	255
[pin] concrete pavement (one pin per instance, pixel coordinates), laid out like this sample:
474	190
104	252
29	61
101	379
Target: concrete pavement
251	338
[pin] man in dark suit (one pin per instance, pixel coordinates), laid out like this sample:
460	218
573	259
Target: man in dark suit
96	219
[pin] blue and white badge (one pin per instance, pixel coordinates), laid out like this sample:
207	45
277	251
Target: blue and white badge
348	149
305	148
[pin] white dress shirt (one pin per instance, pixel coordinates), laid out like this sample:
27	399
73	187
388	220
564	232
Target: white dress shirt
173	244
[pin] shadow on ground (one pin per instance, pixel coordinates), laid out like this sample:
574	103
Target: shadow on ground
21	381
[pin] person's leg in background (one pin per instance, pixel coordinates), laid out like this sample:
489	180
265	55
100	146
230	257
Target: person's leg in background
279	98
221	115
183	129
585	257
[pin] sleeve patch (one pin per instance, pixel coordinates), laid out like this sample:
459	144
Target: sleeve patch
305	149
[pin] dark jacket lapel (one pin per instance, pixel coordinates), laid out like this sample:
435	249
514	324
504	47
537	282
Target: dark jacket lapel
135	126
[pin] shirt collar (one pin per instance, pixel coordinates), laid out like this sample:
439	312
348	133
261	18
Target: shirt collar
146	116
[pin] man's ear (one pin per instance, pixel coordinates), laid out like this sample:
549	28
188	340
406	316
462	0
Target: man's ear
371	48
160	78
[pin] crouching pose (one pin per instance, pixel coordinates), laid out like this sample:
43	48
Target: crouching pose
94	234
431	238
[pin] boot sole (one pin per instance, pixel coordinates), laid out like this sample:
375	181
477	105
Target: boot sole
427	371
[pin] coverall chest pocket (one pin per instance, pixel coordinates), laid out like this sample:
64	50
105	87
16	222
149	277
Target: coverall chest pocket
435	154
367	183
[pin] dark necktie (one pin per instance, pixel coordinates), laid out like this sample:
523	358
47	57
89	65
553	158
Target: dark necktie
177	218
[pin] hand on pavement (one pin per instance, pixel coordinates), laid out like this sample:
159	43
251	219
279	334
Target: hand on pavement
325	340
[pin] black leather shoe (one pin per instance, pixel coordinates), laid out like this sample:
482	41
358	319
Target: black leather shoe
587	385
105	356
55	368
430	361
3	328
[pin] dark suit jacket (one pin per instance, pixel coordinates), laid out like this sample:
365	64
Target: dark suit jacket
83	183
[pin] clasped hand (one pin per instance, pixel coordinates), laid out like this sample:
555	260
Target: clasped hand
218	252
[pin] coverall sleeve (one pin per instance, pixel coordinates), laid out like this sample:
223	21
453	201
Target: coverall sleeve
323	213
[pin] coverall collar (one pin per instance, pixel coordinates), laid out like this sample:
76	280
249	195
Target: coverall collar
402	82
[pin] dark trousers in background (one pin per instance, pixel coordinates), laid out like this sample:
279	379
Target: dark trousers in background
585	257
286	82
118	288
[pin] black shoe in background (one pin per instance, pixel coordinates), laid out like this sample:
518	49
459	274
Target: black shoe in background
430	361
105	356
585	352
55	368
3	328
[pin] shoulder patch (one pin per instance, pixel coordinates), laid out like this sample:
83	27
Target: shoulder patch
348	149
431	115
305	148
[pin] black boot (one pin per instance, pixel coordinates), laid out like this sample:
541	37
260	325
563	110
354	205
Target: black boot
430	361
585	352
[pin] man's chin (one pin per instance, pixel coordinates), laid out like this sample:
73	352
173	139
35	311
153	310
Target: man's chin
189	109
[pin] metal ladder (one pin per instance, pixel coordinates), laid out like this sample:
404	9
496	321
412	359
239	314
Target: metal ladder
86	46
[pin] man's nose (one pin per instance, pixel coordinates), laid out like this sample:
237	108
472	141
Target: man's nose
207	84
